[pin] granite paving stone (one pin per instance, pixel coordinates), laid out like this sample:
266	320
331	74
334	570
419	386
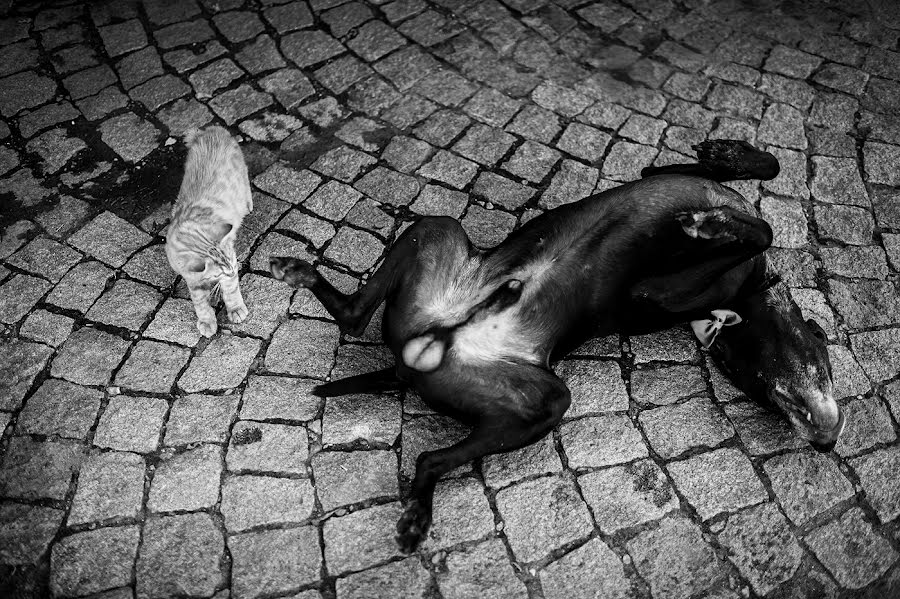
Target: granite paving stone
718	481
531	161
666	385
60	408
344	478
596	386
261	447
847	224
806	484
497	189
361	539
302	347
572	182
56	148
174	321
592	570
223	364
461	513
89	356
110	485
277	397
39	470
674	559
601	441
24	90
126	304
109	239
860	261
762	546
482	568
94	560
20	294
250	501
138	67
26	532
762	431
274	561
406	578
180	555
851	550
131	424
129	136
234	105
502	469
356	418
625	496
152	367
23	361
674	429
878	353
874	470
187	481
867	424
47	327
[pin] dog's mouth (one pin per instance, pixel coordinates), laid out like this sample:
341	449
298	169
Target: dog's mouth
819	420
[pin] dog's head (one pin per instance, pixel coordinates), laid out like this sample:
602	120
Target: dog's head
781	360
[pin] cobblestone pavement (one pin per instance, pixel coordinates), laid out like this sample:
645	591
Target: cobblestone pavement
138	459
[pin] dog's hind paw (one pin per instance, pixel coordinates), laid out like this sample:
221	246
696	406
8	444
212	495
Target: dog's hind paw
709	224
413	526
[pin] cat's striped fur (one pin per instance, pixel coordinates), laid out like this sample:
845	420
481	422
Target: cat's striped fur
213	200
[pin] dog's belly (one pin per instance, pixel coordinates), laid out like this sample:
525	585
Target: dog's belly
499	336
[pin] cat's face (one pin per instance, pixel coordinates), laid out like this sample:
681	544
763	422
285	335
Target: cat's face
207	271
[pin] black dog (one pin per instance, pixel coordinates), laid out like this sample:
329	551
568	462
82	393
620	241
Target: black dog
474	332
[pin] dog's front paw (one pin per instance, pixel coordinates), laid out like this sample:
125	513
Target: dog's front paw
207	328
710	224
238	314
413	526
294	272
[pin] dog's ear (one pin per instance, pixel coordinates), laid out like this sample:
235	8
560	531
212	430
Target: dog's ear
817	330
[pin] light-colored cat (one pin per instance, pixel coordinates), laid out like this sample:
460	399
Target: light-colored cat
213	200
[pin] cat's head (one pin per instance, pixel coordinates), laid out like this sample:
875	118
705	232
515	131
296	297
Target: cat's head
201	256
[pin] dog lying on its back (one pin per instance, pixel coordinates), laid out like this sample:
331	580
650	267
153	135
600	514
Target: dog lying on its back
474	332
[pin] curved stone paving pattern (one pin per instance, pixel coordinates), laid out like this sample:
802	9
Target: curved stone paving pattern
139	460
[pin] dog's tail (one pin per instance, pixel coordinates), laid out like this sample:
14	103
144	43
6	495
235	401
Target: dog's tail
370	382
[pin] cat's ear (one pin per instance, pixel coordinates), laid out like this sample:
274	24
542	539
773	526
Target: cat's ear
219	230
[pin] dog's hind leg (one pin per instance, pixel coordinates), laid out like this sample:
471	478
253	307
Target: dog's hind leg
723	160
702	247
517	405
370	382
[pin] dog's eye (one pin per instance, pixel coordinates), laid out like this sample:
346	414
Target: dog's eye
817	329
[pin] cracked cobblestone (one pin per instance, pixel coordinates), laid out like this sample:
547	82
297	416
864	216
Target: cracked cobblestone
139	459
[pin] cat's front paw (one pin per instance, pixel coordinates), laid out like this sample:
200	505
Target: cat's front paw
207	328
238	314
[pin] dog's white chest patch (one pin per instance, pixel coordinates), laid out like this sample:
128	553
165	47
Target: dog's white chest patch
497	337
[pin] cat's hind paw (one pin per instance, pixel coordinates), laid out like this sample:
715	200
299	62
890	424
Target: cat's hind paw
207	328
238	314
